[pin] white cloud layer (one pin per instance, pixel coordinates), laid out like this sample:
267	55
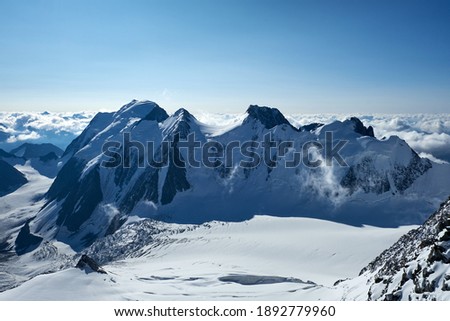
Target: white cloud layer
56	128
428	134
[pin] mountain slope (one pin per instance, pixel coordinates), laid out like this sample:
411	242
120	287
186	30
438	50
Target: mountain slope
417	266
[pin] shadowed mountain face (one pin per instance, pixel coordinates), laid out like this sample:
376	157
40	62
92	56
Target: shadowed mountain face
11	178
381	182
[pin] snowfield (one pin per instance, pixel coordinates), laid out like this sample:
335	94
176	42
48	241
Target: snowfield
265	258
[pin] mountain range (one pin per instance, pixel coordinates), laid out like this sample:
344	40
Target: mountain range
383	183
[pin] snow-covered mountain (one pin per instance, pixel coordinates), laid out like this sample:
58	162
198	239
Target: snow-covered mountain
385	183
156	231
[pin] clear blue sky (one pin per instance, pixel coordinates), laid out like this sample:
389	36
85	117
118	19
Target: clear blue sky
221	56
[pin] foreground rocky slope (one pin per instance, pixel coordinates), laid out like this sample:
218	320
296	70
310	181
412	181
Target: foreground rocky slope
417	266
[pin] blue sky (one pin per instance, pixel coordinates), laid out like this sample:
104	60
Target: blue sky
220	56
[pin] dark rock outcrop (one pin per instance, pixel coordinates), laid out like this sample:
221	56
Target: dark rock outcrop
361	129
26	241
88	264
269	117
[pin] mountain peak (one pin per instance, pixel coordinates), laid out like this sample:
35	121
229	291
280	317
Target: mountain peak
360	128
180	123
136	108
183	114
269	117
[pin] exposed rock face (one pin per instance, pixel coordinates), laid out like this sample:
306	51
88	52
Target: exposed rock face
269	117
366	176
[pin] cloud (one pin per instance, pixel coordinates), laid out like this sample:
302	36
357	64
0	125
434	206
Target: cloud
432	158
428	134
218	119
23	137
425	133
57	128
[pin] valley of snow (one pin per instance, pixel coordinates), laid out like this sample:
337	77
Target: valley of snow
15	210
273	258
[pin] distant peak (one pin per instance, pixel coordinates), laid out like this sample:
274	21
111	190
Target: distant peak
269	117
180	123
360	128
137	108
183	114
